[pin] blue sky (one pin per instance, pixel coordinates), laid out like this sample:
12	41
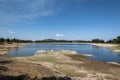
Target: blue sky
60	19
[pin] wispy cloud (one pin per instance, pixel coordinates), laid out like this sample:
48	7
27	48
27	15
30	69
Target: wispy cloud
59	35
12	11
11	32
27	11
26	8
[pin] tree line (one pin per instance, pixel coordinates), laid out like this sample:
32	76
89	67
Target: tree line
10	41
115	40
60	41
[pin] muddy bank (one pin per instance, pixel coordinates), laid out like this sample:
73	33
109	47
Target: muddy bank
56	65
14	69
5	48
104	45
67	63
113	47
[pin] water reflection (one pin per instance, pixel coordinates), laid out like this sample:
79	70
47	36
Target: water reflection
99	53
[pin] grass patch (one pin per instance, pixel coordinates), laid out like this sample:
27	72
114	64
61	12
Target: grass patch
77	57
115	48
70	71
46	58
96	66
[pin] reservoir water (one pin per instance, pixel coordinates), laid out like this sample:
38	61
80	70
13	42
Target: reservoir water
99	53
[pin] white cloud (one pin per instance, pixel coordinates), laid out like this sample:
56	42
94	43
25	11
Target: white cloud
11	32
59	35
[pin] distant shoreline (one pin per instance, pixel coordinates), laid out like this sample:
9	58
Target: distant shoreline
5	48
104	45
112	47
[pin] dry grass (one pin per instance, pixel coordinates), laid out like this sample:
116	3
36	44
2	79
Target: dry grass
96	66
46	58
71	65
115	48
70	70
16	68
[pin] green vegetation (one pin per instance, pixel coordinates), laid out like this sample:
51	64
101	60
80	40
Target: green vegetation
115	48
10	41
115	40
61	41
45	58
98	41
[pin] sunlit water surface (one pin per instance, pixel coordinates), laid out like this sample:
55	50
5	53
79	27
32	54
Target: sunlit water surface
99	53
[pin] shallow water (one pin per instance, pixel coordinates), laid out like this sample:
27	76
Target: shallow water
99	53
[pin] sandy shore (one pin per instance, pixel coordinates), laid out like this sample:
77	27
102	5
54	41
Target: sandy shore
112	47
104	45
5	48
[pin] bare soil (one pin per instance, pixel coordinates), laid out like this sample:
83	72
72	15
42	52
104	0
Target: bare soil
61	65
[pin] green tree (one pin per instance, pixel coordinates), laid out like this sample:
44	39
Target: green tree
2	40
118	39
115	40
98	41
8	40
109	41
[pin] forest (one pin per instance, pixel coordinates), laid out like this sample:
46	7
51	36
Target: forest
10	41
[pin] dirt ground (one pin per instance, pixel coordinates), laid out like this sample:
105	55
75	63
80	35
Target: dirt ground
60	65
